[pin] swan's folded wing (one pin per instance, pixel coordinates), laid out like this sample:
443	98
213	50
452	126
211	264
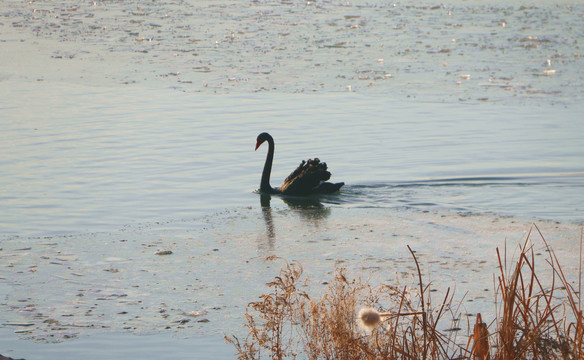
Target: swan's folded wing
307	176
328	188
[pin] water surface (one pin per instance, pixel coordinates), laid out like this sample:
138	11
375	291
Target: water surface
129	128
92	160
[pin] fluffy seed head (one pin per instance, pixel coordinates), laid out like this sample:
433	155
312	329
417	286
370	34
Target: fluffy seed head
368	318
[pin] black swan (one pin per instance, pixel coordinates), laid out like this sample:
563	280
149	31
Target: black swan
308	178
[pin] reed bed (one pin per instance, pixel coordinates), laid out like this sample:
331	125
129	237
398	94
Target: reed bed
535	319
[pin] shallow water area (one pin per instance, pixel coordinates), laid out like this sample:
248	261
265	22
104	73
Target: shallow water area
119	346
171	277
128	212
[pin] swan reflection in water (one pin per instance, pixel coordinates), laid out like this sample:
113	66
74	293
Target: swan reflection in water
309	209
269	220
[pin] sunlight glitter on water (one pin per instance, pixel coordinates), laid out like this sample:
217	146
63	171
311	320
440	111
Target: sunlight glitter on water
330	46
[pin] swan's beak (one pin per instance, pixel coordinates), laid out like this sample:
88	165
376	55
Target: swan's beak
258	145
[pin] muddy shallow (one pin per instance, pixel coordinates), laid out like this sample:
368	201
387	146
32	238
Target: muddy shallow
195	277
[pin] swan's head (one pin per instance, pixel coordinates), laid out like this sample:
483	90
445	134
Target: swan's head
261	138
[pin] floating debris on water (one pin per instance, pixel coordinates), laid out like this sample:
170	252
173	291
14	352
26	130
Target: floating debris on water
195	313
163	252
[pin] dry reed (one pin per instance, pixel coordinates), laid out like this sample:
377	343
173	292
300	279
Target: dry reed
533	320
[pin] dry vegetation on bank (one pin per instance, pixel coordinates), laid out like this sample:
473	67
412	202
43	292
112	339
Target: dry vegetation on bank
355	320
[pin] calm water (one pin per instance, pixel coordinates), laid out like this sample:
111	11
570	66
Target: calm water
85	160
128	128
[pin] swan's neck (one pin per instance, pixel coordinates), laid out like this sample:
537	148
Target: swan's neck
265	182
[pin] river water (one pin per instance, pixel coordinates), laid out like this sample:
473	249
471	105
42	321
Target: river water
128	128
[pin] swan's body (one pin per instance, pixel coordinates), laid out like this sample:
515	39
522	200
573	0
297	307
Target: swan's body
309	177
